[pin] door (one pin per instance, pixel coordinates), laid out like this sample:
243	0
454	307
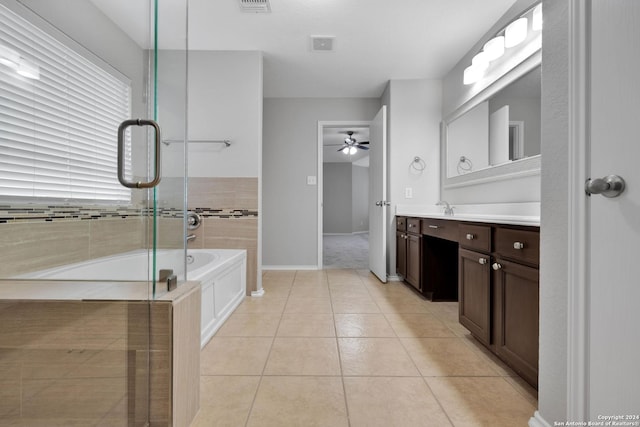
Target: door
378	195
613	224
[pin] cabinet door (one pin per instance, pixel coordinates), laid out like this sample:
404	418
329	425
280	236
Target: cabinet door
414	260
401	254
474	279
517	315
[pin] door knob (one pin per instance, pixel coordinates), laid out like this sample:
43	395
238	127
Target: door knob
378	203
609	186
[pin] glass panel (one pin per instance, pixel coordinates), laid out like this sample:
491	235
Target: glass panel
79	274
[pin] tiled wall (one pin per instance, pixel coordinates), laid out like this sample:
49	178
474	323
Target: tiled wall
229	208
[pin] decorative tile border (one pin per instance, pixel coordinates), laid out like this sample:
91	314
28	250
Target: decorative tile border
13	214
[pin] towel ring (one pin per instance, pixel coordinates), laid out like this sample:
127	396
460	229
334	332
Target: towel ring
418	164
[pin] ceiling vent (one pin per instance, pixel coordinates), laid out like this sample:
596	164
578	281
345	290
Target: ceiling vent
255	6
322	43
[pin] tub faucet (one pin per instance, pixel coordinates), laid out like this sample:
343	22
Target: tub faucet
448	210
191	237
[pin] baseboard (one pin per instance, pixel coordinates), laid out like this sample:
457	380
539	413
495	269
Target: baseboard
289	267
257	293
346	234
538	421
394	278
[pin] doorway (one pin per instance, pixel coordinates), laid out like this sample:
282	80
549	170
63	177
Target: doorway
343	194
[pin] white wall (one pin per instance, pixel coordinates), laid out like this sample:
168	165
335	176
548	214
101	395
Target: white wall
414	130
455	94
554	237
360	198
290	154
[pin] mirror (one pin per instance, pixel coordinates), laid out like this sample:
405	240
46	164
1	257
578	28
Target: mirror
501	129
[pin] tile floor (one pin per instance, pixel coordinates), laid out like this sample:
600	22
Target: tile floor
339	348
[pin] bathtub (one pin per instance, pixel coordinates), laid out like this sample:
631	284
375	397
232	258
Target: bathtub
221	273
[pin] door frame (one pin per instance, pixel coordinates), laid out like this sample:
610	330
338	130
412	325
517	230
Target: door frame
321	125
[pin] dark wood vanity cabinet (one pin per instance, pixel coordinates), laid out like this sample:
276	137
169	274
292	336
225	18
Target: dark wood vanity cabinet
490	269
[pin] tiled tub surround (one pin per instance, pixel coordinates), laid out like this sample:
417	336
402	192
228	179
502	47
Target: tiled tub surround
69	362
229	208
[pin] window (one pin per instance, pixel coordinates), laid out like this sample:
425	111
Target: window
59	115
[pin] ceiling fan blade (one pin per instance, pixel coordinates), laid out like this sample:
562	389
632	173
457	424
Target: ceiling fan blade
363	142
341	149
335	145
359	147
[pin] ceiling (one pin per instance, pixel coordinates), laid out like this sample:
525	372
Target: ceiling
375	40
332	136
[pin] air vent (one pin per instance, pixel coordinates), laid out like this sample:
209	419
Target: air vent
322	43
255	6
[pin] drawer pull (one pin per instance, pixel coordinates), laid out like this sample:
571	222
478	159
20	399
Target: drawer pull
470	237
410	225
434	226
518	245
496	266
482	261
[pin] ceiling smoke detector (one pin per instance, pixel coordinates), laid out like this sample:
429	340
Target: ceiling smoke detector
255	6
322	43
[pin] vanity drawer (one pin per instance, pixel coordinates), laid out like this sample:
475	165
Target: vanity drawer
442	228
519	245
413	225
477	237
401	223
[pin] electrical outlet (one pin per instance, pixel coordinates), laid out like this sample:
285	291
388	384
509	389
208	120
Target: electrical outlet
311	180
408	193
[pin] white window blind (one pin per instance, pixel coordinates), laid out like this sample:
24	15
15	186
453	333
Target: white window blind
58	131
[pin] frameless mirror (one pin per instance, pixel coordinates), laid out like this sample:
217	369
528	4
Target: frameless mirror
499	130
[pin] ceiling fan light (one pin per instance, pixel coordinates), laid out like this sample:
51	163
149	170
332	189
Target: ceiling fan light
515	32
345	150
494	48
352	150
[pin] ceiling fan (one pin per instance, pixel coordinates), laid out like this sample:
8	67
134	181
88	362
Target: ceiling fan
351	146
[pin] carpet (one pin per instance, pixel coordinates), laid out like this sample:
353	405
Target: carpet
346	251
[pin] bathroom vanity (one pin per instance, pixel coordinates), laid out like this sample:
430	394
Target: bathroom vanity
491	267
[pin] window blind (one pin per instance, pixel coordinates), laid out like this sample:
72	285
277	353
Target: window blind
58	131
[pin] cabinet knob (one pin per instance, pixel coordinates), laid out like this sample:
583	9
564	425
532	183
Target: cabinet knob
470	237
496	266
433	226
410	225
482	261
518	245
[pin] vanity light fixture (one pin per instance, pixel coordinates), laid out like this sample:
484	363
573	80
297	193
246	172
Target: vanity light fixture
516	32
536	24
511	35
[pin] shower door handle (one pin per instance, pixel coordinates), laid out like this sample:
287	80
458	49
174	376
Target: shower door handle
121	130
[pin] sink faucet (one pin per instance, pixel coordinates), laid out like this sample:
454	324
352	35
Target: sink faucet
448	210
191	237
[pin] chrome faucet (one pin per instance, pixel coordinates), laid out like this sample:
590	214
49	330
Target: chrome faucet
191	237
448	210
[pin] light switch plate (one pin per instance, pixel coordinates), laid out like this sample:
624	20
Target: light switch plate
408	193
311	180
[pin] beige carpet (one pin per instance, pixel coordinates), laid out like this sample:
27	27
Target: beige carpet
346	251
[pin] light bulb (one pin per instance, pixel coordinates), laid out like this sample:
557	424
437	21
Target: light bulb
471	75
536	23
480	61
345	150
352	150
494	48
515	33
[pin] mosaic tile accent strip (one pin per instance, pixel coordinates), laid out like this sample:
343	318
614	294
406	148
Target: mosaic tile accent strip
12	214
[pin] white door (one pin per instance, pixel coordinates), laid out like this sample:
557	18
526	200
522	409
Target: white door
613	224
378	195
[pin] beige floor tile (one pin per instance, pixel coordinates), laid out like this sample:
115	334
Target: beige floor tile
276	290
299	401
354	305
355	291
306	325
235	356
363	325
405	304
310	279
481	401
446	357
375	357
497	364
392	401
225	401
416	325
310	291
524	388
303	356
308	305
263	304
250	325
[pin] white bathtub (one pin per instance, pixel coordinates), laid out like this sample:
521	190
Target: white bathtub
221	272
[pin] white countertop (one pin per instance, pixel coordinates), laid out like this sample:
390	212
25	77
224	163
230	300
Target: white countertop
502	213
